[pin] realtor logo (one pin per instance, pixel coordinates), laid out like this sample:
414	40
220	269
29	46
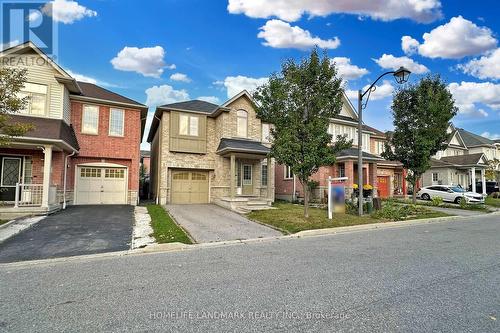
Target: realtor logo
28	20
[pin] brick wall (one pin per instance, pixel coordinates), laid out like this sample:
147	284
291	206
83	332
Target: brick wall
109	149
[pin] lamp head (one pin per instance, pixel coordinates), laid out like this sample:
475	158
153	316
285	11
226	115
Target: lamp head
401	75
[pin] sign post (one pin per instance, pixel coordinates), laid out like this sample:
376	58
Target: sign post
336	195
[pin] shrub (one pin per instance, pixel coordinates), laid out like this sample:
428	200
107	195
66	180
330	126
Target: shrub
437	201
395	212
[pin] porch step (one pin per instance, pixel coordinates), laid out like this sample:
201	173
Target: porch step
257	203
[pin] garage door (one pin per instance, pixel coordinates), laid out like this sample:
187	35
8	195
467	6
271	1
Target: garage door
189	187
96	185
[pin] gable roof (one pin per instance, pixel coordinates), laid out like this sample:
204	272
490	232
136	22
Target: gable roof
456	134
91	90
242	145
464	160
244	92
193	105
471	139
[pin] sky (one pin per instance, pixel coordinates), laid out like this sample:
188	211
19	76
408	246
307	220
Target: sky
165	51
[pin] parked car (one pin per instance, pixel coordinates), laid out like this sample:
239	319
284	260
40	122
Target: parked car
491	187
451	193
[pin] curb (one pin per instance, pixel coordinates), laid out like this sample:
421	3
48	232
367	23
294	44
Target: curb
178	247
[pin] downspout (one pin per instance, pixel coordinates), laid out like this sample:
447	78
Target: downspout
65	174
158	161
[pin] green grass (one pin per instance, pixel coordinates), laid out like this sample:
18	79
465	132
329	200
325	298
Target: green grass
493	202
3	221
480	207
165	230
399	212
290	218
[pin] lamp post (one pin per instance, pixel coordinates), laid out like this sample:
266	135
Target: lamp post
401	76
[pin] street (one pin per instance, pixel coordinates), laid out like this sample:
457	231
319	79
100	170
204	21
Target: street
431	277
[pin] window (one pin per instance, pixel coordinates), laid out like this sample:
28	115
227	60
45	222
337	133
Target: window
288	172
90	119
188	125
198	176
90	172
242	123
266	132
379	147
435	176
341	170
37	98
116	117
114	173
263	174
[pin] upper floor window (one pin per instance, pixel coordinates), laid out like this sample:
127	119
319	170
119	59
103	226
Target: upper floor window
341	170
188	125
116	120
37	99
288	174
266	132
90	119
242	123
379	147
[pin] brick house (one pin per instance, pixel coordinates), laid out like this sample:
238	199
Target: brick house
207	153
386	177
83	149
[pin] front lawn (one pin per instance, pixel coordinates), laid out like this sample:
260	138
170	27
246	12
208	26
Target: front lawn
165	230
493	201
290	217
471	206
3	221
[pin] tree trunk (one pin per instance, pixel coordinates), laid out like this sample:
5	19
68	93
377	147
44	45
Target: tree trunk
306	200
414	195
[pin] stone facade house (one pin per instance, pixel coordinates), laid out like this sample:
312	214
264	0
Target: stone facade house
207	153
386	177
83	147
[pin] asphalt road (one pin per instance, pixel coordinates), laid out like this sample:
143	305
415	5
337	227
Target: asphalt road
442	277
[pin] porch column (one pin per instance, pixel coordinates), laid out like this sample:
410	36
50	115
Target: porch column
404	183
483	180
47	165
269	179
233	175
473	179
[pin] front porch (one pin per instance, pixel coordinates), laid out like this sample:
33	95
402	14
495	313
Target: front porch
251	176
31	179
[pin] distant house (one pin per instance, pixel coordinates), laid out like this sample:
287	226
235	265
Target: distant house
386	177
146	161
464	160
84	148
207	153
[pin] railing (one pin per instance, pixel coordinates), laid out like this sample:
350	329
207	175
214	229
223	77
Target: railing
28	195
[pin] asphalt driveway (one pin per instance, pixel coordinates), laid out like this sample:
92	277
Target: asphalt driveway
75	231
211	223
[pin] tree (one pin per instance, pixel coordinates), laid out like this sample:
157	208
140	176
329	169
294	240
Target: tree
492	172
422	113
300	102
11	82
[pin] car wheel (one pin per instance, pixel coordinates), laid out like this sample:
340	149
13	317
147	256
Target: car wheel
425	196
458	200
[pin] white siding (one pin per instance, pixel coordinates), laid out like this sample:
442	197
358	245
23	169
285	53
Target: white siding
41	72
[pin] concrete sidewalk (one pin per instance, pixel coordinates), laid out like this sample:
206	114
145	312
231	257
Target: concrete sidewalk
14	227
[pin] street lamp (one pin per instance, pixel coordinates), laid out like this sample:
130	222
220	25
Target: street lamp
401	76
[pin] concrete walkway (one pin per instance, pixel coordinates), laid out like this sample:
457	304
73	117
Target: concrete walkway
211	223
456	211
14	227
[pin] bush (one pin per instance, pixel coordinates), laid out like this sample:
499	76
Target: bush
495	195
437	201
395	212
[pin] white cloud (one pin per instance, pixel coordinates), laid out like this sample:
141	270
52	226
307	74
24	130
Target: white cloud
8	44
210	99
417	10
279	34
81	77
34	15
388	61
486	67
382	91
409	45
491	136
456	39
66	11
469	95
147	61
172	66
164	94
347	70
235	84
180	77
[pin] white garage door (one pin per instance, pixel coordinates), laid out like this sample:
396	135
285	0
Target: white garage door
97	185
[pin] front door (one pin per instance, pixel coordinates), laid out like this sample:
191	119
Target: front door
247	183
11	174
383	186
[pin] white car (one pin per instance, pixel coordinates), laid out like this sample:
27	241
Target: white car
452	193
